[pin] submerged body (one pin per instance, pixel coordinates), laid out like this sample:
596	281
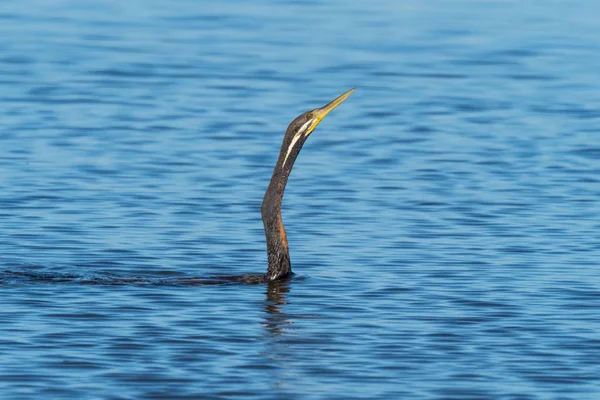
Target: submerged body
296	134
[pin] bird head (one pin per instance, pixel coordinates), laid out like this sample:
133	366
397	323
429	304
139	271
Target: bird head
301	127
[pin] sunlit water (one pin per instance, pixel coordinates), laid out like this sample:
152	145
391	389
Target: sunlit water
443	222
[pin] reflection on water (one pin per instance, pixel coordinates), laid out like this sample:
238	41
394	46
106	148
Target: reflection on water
276	320
442	223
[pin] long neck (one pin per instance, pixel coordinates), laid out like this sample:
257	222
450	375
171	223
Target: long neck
277	244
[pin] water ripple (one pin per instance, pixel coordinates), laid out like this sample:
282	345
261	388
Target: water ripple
442	223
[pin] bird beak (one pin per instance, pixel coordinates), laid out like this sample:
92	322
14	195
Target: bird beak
320	113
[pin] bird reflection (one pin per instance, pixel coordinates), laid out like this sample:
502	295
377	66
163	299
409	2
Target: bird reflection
276	319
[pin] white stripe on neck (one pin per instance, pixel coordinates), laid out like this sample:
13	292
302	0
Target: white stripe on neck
299	134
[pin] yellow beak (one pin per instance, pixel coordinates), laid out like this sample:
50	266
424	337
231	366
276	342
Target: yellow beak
320	113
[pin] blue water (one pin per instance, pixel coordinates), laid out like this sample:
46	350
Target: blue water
443	222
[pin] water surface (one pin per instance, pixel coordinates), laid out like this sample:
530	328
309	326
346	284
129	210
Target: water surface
443	222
